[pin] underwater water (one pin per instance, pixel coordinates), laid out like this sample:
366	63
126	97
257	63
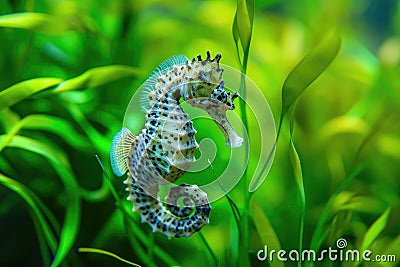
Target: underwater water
314	165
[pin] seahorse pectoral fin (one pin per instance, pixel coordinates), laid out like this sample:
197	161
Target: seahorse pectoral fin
119	151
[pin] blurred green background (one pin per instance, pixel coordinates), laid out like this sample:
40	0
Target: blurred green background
346	134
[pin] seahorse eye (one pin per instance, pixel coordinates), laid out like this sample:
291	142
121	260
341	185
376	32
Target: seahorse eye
219	94
235	95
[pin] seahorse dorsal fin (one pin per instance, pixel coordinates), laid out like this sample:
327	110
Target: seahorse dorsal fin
120	148
149	85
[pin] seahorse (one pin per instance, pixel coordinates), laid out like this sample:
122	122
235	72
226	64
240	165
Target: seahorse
164	150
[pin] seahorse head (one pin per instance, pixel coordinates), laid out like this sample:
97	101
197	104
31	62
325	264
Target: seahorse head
207	92
204	75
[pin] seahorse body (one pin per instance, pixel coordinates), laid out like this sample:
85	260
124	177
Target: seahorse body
165	148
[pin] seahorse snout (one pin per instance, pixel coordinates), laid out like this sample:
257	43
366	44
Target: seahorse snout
234	140
217	111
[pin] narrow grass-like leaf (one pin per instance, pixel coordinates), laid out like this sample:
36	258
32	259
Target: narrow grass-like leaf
374	129
341	200
8	118
101	143
60	164
208	248
22	90
353	202
135	244
55	125
236	39
55	155
394	248
104	252
234	208
339	225
150	248
296	165
232	204
243	22
319	233
79	97
44	251
298	174
95	195
111	227
37	22
31	199
5	166
309	69
267	152
343	124
266	232
96	77
375	230
67	132
242	30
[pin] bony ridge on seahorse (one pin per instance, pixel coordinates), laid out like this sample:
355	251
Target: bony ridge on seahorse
165	148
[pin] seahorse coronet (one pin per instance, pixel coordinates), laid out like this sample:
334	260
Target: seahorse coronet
164	149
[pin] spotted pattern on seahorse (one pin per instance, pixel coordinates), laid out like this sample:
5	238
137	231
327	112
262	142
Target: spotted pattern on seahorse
164	150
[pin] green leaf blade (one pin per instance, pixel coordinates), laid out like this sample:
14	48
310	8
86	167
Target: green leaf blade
104	252
308	70
96	77
36	22
34	204
296	165
375	230
242	28
266	231
22	90
48	123
244	21
60	163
